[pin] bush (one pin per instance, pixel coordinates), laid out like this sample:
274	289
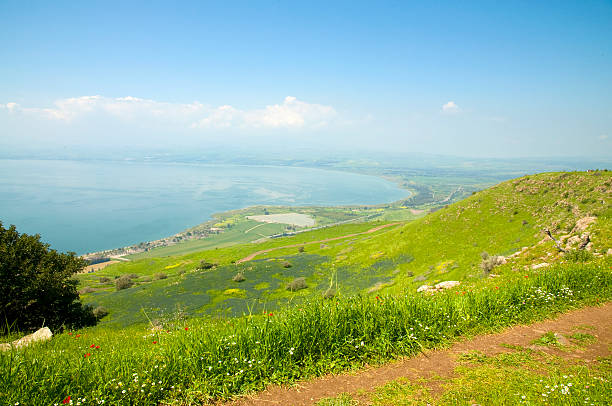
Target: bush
104	279
286	264
133	276
330	293
297	284
301	249
490	262
239	277
37	286
123	282
100	312
86	290
159	276
206	265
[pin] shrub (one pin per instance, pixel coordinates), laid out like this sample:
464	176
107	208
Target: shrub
330	293
133	276
123	282
286	264
301	249
100	312
206	265
37	286
104	279
239	277
297	284
86	290
159	276
490	262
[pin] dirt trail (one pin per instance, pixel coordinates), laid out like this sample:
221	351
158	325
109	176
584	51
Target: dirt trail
372	230
442	362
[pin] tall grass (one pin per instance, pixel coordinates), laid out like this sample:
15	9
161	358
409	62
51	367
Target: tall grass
203	360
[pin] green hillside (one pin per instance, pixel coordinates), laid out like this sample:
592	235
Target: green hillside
371	273
444	245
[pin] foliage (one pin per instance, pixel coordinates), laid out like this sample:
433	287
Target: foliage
99	312
297	284
160	275
239	277
36	288
123	282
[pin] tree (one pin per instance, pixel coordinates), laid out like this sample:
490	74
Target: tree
36	285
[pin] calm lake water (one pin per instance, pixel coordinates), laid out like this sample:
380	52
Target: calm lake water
87	206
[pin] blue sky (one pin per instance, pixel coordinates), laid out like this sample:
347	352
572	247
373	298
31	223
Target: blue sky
501	79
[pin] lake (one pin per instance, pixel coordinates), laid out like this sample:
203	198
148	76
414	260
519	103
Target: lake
86	206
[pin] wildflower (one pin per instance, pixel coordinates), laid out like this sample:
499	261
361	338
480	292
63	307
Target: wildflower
526	276
78	335
92	346
97	347
66	400
154	342
271	314
87	355
70	333
186	328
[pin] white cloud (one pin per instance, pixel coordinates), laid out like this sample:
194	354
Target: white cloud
450	107
292	113
11	106
603	137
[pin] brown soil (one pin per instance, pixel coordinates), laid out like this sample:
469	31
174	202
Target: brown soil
442	363
370	231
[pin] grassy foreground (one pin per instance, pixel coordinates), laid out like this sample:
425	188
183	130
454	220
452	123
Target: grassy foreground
199	360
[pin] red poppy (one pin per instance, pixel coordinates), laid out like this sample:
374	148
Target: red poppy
78	335
87	355
97	347
67	400
377	298
154	342
70	333
271	314
526	276
497	287
186	328
92	346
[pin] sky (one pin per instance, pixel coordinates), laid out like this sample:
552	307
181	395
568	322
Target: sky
475	79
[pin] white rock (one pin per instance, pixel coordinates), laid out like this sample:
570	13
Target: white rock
538	266
447	284
424	288
43	334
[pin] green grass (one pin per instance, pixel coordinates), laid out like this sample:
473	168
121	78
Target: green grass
196	360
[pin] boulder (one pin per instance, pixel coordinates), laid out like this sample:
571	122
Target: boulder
43	334
447	285
538	266
424	288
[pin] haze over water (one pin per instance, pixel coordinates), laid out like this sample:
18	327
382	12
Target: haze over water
87	206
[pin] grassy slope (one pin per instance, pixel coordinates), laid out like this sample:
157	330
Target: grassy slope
211	358
445	245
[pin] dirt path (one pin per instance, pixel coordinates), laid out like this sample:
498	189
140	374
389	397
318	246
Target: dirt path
442	362
372	230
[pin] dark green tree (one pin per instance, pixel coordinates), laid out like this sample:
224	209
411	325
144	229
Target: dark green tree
36	285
